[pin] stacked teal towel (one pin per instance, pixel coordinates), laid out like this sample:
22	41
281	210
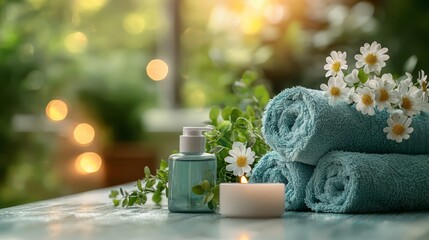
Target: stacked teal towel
301	126
369	173
346	182
273	168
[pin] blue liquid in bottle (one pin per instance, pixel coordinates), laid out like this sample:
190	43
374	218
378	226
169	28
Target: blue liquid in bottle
189	168
186	171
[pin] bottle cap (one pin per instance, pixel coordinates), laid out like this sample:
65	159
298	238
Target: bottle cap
192	140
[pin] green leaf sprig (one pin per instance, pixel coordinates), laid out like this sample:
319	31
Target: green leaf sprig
209	191
238	124
151	184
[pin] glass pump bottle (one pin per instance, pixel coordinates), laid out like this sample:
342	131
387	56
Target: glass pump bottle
187	169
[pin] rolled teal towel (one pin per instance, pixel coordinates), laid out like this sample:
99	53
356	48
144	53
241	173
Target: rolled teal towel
347	182
298	174
267	170
273	168
301	126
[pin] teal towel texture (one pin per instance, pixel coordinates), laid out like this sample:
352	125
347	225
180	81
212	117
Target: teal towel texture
267	170
347	182
273	168
301	126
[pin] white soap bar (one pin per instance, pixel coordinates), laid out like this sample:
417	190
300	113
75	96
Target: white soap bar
252	200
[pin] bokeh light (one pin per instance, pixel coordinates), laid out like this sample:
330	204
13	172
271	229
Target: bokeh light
157	69
84	133
251	24
274	13
90	5
56	110
134	23
76	42
244	236
88	162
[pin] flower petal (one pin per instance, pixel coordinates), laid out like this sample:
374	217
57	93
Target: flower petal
383	51
251	154
331	82
237	144
250	160
230	159
324	87
386	129
390	122
231	167
235	152
327	66
238	171
360	64
407	123
359	57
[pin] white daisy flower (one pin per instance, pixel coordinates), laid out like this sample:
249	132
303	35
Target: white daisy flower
372	58
410	100
364	99
335	63
240	159
423	85
336	90
384	91
398	127
352	78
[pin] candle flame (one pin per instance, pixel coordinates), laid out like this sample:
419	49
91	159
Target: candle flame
243	179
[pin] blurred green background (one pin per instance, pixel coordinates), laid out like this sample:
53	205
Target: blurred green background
84	82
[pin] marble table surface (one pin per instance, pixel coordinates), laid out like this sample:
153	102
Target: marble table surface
91	215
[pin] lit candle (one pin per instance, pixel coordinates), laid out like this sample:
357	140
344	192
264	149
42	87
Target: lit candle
256	200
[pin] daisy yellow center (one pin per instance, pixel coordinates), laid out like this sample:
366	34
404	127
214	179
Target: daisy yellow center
384	95
424	86
371	59
335	92
406	103
398	129
336	66
367	99
241	161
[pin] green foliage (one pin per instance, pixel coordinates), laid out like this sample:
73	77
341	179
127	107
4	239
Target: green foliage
115	103
38	65
233	124
151	184
363	77
230	124
209	191
25	156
